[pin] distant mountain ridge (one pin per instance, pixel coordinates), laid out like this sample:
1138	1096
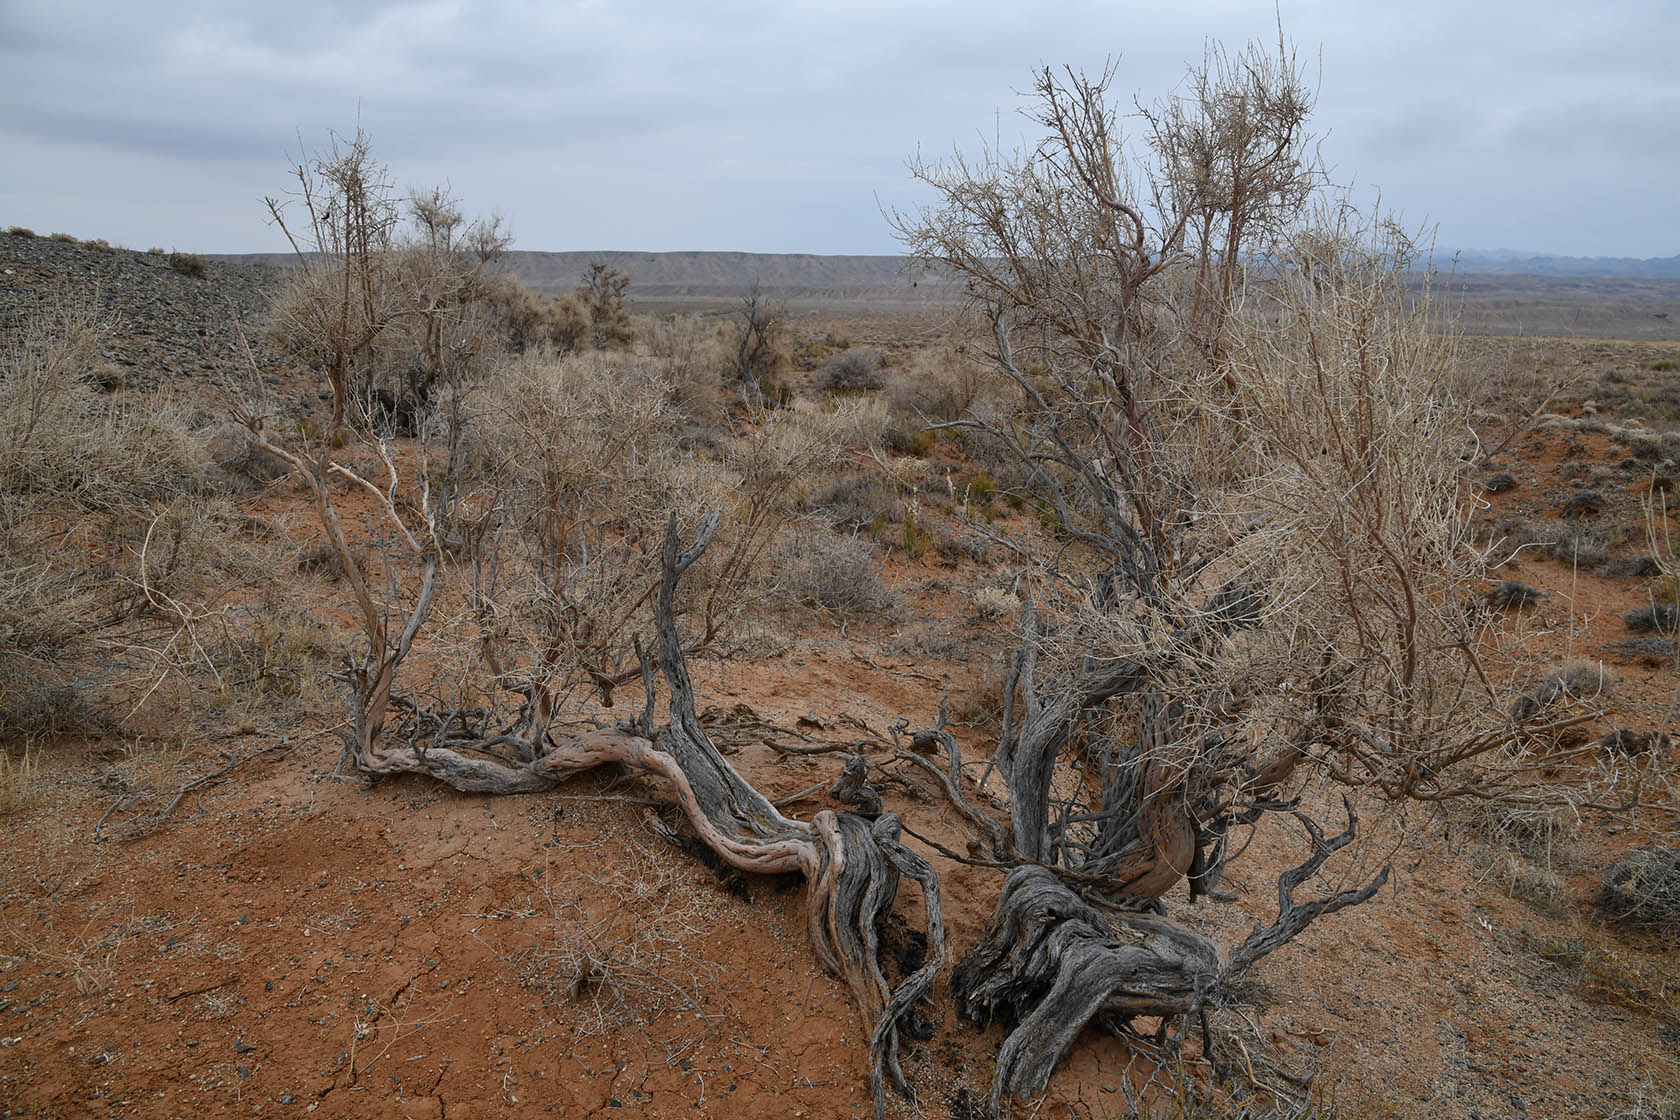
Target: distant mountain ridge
720	278
695	273
707	274
1498	292
714	278
1511	262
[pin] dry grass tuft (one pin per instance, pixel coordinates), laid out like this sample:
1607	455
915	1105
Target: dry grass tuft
616	958
1572	682
188	264
1531	883
18	780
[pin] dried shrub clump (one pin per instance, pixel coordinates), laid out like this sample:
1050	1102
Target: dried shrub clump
1652	652
1514	594
1583	503
1661	618
626	964
19	778
839	573
1625	741
941	384
187	264
1572	681
1532	883
854	370
1644	889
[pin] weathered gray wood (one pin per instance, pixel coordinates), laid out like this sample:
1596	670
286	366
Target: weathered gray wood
1294	917
1049	962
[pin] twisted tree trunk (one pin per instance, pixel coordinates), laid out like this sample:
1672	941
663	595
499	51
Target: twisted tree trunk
853	864
1049	963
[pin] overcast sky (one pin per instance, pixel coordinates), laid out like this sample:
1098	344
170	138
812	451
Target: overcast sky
784	127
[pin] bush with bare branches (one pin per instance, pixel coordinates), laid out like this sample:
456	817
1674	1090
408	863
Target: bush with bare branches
1238	409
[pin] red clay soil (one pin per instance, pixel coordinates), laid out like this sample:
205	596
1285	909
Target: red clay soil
291	943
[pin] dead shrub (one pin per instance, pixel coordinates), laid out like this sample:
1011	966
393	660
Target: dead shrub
274	650
940	384
854	370
813	348
837	573
959	545
1651	652
529	320
44	702
1531	883
1574	545
697	360
1534	830
48	613
237	453
616	958
860	502
1583	503
1570	682
1659	618
1624	741
184	551
983	699
1644	889
19	779
187	264
993	603
1514	594
321	559
1636	567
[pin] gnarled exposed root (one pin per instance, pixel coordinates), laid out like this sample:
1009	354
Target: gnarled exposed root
1049	962
853	863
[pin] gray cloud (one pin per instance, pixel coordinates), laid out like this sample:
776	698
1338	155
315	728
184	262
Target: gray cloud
734	125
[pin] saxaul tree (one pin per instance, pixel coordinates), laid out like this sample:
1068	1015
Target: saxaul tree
1235	405
601	296
758	323
386	301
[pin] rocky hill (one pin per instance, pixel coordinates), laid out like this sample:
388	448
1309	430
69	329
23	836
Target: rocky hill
176	315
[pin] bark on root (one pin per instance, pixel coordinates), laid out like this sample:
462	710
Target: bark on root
853	864
1049	963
